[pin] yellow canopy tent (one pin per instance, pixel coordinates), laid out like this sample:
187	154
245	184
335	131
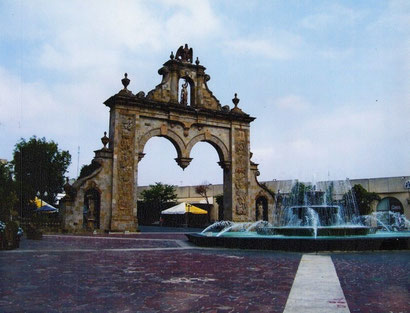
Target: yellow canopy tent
183	208
43	206
184	214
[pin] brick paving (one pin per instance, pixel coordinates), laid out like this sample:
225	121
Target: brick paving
375	282
161	273
44	277
95	243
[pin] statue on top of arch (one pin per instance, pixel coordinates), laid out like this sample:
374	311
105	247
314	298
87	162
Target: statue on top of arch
184	93
184	54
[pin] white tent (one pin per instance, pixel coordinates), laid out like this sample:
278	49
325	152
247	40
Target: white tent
183	208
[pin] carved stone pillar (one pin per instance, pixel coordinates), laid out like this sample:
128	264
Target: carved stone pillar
240	174
123	203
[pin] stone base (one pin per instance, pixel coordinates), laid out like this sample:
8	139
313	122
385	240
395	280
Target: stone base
123	225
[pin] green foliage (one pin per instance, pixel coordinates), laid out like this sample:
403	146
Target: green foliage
297	193
329	193
158	195
220	200
363	199
11	234
9	238
33	231
8	196
39	166
89	169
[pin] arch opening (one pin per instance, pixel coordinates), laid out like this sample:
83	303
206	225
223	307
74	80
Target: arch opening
204	166
172	137
215	142
390	204
387	206
160	153
205	171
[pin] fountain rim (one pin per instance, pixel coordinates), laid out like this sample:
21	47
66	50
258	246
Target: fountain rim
305	243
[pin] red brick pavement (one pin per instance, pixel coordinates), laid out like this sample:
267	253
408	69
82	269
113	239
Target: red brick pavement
85	274
194	280
375	282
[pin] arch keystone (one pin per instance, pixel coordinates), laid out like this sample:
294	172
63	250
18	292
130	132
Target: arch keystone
183	162
164	130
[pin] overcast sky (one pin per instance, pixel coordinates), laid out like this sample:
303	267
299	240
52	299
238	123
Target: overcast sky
328	81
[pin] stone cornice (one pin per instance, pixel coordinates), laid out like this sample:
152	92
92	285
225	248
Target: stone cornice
130	100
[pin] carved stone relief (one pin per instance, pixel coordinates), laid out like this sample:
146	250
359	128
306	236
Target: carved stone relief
163	113
126	164
241	170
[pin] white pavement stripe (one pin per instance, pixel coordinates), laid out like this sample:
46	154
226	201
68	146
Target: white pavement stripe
316	287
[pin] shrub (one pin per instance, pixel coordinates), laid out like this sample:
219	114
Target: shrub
33	232
9	235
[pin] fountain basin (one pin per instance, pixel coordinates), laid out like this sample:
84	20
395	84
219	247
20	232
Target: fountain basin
249	240
319	231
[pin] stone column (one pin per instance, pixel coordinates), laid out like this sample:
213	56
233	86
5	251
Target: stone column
123	202
227	190
240	173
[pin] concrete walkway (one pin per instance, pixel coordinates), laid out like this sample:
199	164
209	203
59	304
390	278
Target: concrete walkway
316	287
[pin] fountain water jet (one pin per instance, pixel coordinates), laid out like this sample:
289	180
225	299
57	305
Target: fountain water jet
307	219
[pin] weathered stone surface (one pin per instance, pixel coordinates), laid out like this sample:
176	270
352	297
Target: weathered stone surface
123	217
135	119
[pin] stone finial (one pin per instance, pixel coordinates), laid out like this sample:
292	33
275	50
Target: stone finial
172	55
197	61
125	81
105	140
235	102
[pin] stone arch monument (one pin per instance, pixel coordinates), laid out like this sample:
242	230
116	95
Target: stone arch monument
166	112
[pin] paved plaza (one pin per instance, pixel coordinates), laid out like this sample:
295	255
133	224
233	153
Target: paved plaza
162	272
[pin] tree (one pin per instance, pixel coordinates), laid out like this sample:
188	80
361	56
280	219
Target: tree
8	196
363	199
39	166
202	190
89	169
158	195
220	200
297	194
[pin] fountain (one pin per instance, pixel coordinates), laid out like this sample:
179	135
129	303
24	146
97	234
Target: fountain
312	219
